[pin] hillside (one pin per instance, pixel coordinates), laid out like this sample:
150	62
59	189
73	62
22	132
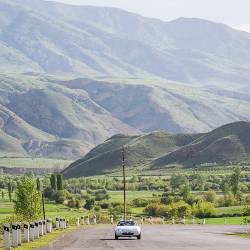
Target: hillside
42	119
229	143
49	37
73	76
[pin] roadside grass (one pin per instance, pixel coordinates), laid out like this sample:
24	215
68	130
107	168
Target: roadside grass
44	240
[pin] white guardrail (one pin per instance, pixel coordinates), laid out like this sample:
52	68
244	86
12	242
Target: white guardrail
31	231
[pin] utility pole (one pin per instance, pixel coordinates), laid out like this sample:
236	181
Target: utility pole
124	183
44	215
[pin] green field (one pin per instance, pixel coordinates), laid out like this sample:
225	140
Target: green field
117	196
13	162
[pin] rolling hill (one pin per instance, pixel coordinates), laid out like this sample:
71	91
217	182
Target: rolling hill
159	150
42	119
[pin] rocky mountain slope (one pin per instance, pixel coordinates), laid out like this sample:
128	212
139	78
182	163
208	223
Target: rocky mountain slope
41	36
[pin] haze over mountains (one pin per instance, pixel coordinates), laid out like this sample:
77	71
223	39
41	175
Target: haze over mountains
188	75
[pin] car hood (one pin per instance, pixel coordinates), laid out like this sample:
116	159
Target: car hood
127	228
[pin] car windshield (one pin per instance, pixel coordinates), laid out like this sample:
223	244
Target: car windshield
127	223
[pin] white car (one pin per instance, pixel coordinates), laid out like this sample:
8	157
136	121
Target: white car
128	228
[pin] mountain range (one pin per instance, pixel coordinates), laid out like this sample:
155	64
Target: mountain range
160	150
73	76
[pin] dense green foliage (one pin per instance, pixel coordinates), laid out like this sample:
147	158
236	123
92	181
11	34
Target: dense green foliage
27	203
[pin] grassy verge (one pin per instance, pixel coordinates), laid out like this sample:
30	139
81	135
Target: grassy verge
44	240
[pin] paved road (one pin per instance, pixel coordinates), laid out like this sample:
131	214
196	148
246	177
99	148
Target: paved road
156	237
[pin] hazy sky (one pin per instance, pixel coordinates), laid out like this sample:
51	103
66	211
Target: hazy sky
232	12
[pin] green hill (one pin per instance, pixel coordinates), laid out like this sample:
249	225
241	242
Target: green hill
140	151
229	143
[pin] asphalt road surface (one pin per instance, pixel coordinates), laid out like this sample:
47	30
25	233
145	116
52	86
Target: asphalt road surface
154	237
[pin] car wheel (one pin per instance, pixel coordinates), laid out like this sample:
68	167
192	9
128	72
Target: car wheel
139	237
116	237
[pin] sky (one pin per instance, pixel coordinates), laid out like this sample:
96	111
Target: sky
234	13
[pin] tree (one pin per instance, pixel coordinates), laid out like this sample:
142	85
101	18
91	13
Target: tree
10	191
185	191
59	181
59	197
53	182
2	194
235	180
210	196
176	181
90	203
38	184
203	209
28	200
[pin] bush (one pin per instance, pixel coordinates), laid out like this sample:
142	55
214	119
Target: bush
101	196
71	203
89	204
104	205
246	211
156	209
204	209
210	196
139	202
167	200
59	197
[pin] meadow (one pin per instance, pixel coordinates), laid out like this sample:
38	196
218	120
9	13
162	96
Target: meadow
28	162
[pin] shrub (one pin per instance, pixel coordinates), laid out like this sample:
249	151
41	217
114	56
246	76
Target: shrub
89	204
246	211
210	196
204	209
59	197
139	202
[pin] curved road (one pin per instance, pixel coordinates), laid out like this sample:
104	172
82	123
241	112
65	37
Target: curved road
154	237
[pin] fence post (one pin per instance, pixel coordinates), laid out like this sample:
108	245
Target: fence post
94	219
32	231
40	226
112	219
204	221
36	230
14	235
87	220
82	219
7	242
49	226
77	221
142	220
151	220
173	220
162	220
26	232
61	223
19	234
184	220
193	220
44	227
57	223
